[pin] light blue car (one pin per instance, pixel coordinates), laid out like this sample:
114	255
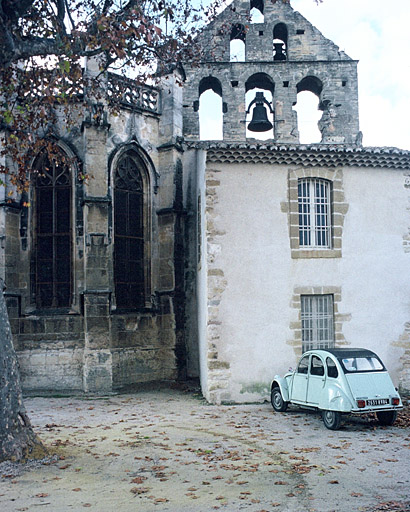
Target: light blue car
338	381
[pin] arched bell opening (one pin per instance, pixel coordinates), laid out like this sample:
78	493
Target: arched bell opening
280	42
259	90
256	11
309	92
210	109
238	43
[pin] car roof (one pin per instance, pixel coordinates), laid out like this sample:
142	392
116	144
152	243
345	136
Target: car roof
348	352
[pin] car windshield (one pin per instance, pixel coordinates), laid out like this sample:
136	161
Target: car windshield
361	364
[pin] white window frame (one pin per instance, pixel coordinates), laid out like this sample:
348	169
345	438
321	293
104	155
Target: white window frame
314	208
317	318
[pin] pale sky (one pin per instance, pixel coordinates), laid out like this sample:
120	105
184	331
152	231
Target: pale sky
375	32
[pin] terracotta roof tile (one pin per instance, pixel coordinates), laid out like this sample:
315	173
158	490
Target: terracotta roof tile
317	155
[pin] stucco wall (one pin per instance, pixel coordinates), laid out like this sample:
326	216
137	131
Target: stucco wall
254	284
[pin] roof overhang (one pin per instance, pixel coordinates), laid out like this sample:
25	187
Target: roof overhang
313	155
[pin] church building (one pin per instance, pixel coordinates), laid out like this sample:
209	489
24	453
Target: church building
222	259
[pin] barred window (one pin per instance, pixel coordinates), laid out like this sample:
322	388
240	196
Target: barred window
317	322
129	233
314	213
52	220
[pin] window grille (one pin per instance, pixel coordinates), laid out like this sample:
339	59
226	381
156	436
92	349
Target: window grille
314	213
129	233
52	234
317	321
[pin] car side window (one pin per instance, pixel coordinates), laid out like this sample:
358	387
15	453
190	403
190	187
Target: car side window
331	368
316	366
303	365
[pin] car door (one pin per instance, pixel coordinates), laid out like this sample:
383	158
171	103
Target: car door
316	380
300	379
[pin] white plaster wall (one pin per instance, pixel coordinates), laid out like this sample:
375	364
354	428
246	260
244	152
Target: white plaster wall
255	255
256	311
375	267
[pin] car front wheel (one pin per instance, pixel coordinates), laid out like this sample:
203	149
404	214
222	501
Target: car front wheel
277	400
386	417
331	419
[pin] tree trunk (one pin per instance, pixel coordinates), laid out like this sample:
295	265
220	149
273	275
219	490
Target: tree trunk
17	438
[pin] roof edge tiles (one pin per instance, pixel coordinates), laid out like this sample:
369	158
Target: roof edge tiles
317	155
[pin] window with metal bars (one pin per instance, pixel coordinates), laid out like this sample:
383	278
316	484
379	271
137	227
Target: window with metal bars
129	233
52	248
314	213
317	321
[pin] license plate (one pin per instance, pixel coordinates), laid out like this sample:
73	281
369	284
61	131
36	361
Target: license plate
378	401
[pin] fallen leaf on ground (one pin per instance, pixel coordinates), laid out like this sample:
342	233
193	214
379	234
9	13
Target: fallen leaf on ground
139	490
138	479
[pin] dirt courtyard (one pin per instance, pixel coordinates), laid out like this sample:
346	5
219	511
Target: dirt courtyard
168	450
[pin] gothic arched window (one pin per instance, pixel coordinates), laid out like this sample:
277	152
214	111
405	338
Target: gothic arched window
129	239
52	236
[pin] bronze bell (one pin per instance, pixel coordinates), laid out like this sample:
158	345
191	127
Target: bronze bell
260	121
279	52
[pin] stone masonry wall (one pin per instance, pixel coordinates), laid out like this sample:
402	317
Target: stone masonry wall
91	346
313	63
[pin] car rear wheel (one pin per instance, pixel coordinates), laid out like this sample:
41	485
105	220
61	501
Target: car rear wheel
331	419
386	417
277	400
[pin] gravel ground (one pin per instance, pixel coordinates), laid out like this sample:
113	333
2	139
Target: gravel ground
169	450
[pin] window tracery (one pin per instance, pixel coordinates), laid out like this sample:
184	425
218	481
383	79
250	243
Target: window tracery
53	226
129	239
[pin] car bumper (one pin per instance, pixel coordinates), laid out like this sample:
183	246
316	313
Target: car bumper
367	410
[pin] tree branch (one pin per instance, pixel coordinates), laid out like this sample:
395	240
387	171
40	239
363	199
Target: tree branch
61	14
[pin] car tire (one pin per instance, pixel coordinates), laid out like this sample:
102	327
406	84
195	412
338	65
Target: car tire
277	401
331	419
386	417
